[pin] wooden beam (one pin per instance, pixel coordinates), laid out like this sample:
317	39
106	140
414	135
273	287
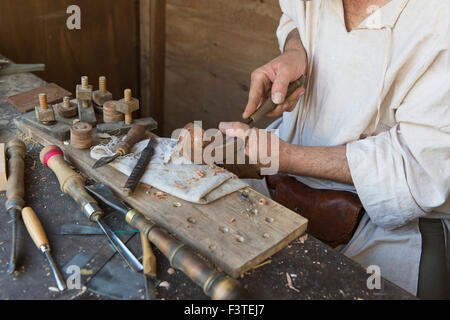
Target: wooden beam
152	59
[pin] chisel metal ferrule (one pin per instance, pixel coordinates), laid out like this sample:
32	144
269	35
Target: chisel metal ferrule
91	210
45	248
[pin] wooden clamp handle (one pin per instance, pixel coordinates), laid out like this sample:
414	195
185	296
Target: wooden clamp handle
15	190
34	227
136	134
148	257
269	106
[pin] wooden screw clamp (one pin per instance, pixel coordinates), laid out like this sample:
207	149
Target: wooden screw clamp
127	106
102	95
67	109
44	113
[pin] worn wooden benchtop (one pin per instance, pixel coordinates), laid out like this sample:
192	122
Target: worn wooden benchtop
317	271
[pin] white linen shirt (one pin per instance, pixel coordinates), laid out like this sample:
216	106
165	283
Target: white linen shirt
382	89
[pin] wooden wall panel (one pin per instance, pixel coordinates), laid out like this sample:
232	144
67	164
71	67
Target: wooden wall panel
212	47
107	44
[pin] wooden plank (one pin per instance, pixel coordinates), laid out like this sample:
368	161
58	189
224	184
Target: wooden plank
152	59
224	232
26	101
2	167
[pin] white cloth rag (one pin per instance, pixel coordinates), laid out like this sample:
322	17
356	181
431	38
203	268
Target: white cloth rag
173	174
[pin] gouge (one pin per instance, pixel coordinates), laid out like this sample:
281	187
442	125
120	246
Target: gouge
215	284
40	239
16	151
136	134
73	184
269	106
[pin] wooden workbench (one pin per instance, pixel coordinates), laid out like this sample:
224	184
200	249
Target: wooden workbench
318	272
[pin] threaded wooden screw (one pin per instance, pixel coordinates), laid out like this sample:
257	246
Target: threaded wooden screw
43	101
127	95
66	102
102	84
85	82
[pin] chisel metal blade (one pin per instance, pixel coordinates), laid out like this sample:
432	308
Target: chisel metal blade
105	160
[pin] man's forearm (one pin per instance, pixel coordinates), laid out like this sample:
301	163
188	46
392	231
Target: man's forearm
318	162
294	42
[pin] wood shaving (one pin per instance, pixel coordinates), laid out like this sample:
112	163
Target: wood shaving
53	289
214	173
34	165
212	167
262	202
232	220
160	195
179	186
171	271
194	179
177	204
262	264
302	239
164	284
220	170
200	173
290	283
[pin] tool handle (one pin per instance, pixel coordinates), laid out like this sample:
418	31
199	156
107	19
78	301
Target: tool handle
15	190
269	106
34	227
136	134
216	285
148	257
71	182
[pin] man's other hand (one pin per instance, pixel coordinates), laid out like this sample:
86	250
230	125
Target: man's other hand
274	78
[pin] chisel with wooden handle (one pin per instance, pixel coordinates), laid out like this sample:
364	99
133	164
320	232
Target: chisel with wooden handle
136	134
16	151
269	106
37	233
215	284
72	184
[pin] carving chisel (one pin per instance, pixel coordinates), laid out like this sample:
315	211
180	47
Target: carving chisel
215	284
16	151
40	239
73	184
136	134
149	272
269	106
140	167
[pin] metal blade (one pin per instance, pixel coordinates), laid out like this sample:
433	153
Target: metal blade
103	193
14	213
124	252
56	273
75	229
105	160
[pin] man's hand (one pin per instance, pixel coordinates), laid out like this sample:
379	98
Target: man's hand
274	78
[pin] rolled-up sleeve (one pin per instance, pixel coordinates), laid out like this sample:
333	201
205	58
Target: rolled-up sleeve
404	174
294	16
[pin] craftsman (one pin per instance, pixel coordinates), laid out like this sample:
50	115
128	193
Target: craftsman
374	120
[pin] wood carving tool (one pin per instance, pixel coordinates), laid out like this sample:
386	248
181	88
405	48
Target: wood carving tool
3	177
216	285
40	239
136	134
72	184
140	167
16	151
269	106
80	230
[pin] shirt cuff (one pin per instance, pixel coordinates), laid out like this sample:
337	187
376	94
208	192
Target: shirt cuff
378	173
285	27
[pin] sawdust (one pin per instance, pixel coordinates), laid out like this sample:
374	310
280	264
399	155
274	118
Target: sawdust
160	195
290	283
179	186
303	238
